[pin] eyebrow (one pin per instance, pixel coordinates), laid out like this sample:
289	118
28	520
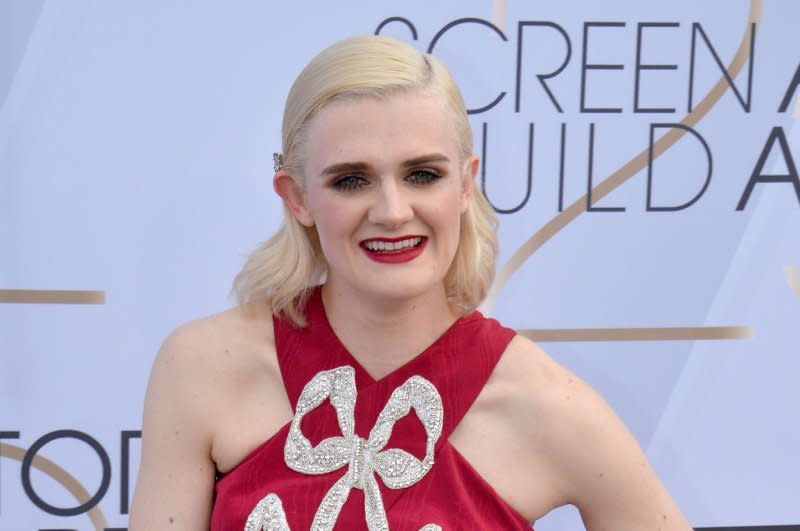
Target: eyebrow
345	167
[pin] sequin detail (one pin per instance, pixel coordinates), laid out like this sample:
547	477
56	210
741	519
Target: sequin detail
397	468
267	516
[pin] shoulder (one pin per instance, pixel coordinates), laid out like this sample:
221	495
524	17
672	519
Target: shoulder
231	340
512	412
557	413
538	384
249	323
202	375
529	385
204	365
546	406
588	456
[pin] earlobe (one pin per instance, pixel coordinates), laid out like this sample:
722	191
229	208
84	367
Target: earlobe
293	196
468	181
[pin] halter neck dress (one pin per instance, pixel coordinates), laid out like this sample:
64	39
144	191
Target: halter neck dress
369	454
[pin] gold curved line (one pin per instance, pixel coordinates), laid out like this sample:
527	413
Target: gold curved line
793	278
691	333
499	8
628	170
51	296
63	477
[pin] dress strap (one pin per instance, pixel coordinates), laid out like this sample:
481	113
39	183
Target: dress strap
462	364
305	351
458	363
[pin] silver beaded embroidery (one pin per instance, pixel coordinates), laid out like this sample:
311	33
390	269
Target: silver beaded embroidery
267	516
397	468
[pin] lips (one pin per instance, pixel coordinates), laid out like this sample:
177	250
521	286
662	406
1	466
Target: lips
394	250
389	246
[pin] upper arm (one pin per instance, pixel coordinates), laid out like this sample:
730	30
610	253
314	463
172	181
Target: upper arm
176	475
593	459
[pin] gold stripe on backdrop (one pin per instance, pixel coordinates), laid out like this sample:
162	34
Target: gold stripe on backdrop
51	296
689	333
792	277
64	478
499	9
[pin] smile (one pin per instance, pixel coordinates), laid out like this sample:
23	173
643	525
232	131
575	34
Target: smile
391	246
394	250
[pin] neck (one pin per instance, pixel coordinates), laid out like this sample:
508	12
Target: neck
385	333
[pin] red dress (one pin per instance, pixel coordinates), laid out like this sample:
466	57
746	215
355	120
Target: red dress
355	452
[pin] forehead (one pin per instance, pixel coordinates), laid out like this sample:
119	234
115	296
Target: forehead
380	130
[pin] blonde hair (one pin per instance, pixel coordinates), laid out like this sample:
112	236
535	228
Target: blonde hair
286	267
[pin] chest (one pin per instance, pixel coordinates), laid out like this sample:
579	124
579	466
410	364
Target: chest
479	468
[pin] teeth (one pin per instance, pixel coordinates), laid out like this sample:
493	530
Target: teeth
374	245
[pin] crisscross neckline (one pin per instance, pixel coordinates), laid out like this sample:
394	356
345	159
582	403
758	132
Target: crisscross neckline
315	311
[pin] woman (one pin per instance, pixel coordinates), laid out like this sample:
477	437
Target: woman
377	179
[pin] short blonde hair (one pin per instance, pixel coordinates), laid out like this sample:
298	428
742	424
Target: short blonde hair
286	267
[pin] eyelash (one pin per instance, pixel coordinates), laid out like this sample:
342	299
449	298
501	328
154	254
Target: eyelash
348	183
419	177
430	176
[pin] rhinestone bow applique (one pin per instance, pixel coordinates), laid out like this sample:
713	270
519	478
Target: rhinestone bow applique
397	468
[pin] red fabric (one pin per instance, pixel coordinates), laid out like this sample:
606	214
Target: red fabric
451	494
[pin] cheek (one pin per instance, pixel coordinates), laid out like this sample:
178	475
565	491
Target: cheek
447	216
335	222
321	210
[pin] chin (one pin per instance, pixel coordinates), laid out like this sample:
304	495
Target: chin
403	289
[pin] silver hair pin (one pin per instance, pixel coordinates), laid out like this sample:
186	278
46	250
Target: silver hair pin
277	161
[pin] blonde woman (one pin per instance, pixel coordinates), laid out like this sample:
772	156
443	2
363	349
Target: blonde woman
355	386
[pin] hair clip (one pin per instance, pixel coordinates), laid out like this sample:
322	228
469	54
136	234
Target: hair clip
277	161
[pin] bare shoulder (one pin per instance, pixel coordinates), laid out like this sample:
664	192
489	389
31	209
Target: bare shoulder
583	450
224	346
202	344
226	369
203	372
539	386
202	363
510	413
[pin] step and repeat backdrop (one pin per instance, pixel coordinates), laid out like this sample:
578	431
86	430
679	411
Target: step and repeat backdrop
643	158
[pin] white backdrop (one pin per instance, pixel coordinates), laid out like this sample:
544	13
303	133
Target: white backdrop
135	175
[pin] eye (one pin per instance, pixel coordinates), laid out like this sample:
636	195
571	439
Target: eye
348	183
423	176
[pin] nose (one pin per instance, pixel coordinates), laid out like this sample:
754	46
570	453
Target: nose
390	207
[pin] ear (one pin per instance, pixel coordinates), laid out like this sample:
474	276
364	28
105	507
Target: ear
293	196
468	180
